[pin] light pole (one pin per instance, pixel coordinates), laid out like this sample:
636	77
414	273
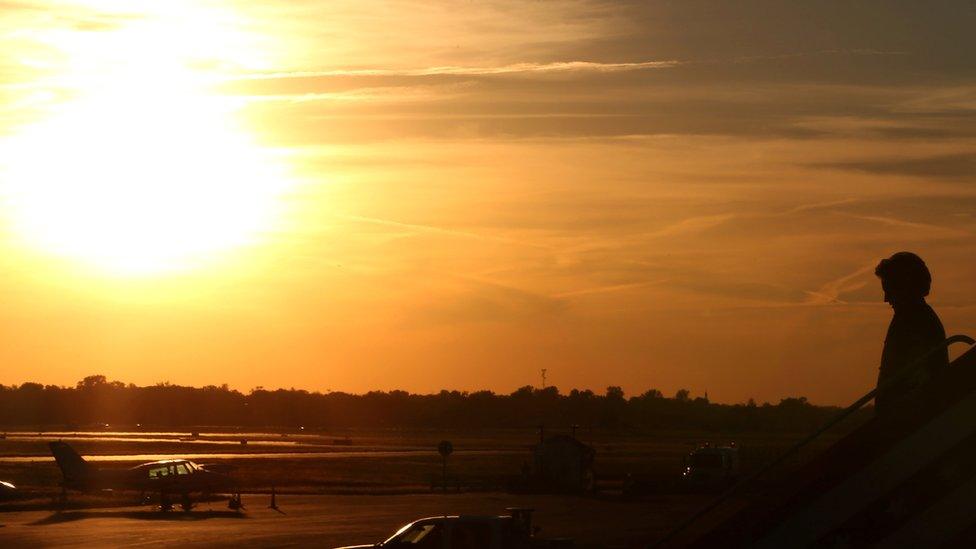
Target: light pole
445	448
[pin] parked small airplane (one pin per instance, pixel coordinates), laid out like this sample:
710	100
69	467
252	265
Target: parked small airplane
171	477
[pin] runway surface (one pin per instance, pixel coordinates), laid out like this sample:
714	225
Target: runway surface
331	521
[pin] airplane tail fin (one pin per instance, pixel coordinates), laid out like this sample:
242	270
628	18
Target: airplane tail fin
72	466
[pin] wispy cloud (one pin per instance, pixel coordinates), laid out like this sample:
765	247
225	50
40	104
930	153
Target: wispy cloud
691	225
74	17
925	229
416	227
831	291
820	205
516	68
608	289
483	300
946	166
803	54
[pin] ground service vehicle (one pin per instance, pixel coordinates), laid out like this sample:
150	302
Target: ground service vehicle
712	465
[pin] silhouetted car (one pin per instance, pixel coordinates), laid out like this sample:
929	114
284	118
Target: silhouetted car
468	532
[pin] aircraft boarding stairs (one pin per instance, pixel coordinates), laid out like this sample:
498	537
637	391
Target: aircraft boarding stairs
908	480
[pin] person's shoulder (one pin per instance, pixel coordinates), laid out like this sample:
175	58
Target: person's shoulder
928	311
932	318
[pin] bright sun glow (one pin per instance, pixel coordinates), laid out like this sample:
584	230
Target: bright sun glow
142	171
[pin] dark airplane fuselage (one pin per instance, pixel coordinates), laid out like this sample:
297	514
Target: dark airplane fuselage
169	476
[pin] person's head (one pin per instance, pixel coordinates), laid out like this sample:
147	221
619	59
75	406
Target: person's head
904	278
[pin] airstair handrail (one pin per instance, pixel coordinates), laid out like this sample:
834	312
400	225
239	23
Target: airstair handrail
857	405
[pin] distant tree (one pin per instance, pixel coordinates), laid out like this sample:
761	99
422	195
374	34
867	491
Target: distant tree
584	394
794	402
92	381
550	392
95	399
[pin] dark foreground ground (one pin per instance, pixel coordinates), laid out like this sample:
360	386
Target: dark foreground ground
330	521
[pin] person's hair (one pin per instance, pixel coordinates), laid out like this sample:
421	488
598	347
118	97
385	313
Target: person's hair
905	275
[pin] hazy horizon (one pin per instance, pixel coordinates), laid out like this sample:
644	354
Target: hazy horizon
357	196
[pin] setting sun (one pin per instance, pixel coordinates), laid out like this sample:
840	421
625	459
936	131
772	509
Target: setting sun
139	169
139	181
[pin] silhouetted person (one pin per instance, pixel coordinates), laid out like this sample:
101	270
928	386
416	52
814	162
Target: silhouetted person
914	330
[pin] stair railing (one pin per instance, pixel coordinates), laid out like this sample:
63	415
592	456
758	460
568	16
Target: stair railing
903	375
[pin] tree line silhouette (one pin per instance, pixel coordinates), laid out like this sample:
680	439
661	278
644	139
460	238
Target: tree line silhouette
97	402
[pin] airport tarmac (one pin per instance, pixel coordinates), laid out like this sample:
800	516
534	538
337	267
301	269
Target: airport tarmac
331	521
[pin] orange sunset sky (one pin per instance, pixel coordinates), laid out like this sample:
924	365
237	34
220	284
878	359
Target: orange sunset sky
355	195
